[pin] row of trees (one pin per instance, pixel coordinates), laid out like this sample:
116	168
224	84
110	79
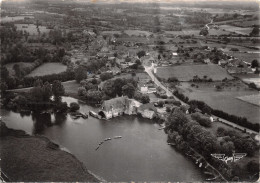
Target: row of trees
241	121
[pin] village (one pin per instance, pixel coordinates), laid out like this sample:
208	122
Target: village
192	71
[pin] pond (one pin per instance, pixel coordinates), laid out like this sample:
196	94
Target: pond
142	154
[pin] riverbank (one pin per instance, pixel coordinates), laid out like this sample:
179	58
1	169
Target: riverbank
35	158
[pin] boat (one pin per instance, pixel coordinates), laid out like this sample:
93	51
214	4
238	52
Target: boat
171	144
75	117
117	137
101	143
85	116
93	114
107	139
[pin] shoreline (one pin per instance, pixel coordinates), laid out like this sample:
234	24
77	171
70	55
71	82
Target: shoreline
36	158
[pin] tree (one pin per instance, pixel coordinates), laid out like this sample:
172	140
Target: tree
3	88
255	31
74	106
47	91
105	76
204	31
145	99
17	70
57	90
80	74
254	64
253	166
94	96
141	54
128	90
82	91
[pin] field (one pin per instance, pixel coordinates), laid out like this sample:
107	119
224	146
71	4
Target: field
47	69
13	19
21	64
246	56
137	33
225	100
110	32
186	73
238	30
32	28
183	32
252	99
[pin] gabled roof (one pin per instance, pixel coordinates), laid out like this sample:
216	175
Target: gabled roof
114	103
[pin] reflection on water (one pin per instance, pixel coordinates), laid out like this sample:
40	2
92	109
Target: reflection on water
142	154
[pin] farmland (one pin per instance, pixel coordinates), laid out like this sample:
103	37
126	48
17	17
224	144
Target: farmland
47	69
32	29
137	32
225	100
252	99
238	30
186	73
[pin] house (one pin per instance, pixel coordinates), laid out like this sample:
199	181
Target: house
147	111
222	62
118	106
207	61
144	88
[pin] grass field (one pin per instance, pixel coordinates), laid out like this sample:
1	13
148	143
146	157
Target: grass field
21	64
186	73
225	100
47	69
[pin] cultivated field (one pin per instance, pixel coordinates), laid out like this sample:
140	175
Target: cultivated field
186	73
183	32
238	30
32	28
252	99
225	100
47	69
137	33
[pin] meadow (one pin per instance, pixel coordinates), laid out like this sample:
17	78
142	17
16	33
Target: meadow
186	73
225	100
47	69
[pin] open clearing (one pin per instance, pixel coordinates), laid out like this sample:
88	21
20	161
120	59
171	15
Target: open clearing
225	100
47	69
186	73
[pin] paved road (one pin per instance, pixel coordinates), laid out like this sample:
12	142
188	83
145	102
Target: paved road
156	81
169	93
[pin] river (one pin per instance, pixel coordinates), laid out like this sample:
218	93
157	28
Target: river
142	154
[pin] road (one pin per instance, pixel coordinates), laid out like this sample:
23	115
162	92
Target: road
156	81
148	70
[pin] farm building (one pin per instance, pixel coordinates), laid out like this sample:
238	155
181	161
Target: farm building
118	106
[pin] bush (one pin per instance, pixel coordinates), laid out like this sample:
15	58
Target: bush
74	106
106	76
201	120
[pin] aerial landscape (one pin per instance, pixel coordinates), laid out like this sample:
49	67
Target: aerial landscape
107	90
